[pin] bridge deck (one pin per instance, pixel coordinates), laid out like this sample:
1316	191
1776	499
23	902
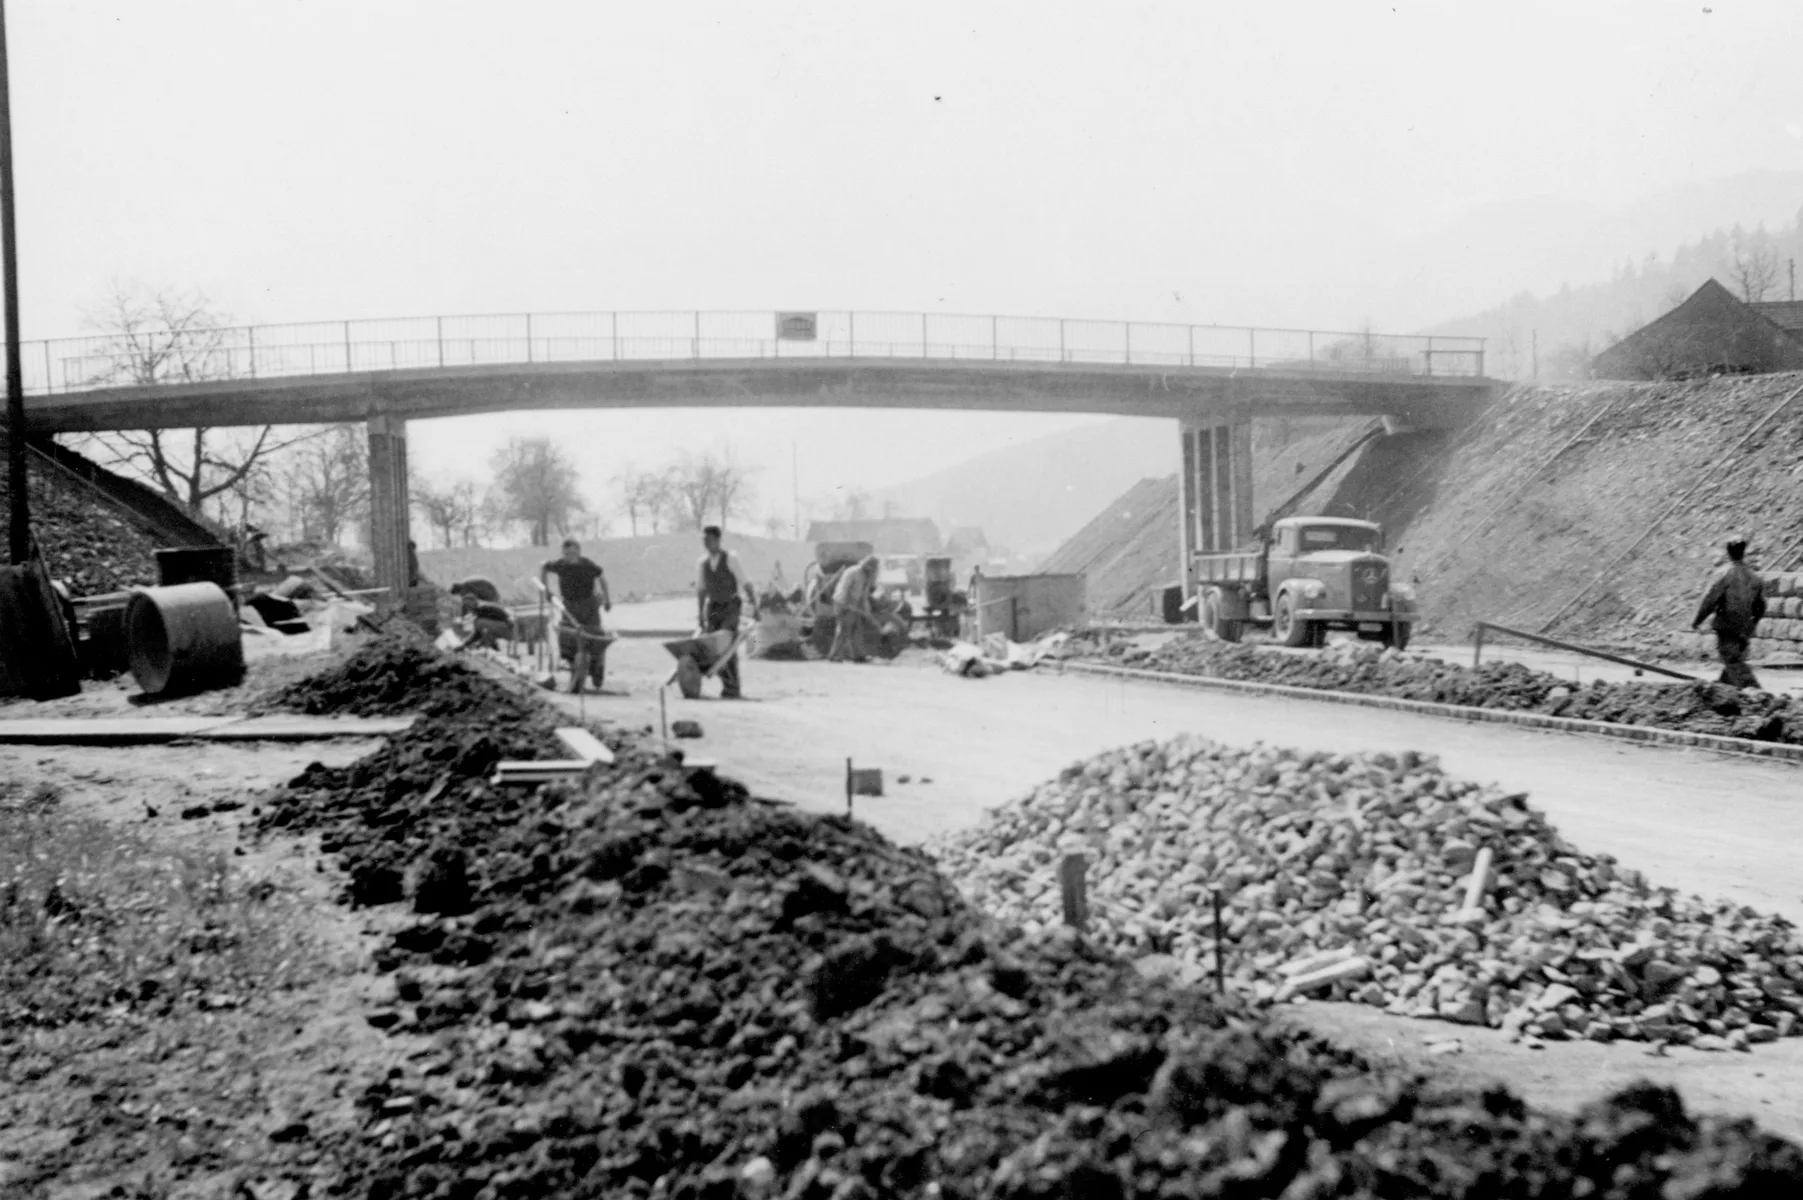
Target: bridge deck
449	366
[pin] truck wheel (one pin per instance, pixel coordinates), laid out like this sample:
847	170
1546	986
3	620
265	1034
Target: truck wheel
1288	629
1226	630
1396	635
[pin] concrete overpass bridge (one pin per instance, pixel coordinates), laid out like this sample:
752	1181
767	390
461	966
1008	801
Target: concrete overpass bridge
1211	379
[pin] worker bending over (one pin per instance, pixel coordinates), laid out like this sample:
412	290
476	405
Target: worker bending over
582	586
851	610
1736	599
720	578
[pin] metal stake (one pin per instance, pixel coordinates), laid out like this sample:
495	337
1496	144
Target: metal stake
1220	945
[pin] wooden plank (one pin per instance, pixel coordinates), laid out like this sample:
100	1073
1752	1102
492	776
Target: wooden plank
144	731
295	727
102	731
585	745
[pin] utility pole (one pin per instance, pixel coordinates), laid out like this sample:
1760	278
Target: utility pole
794	490
1793	279
19	543
1534	342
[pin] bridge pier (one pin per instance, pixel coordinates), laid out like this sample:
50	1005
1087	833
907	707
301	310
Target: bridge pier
388	506
1214	488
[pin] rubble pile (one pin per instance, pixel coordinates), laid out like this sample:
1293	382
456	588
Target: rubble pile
425	789
1370	669
397	673
1347	877
651	985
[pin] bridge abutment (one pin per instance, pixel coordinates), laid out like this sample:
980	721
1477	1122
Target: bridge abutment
1214	488
388	506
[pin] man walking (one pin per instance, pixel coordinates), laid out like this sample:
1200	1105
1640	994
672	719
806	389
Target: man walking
851	610
720	577
1736	599
582	586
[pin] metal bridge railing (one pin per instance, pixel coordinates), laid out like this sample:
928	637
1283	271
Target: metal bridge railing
334	348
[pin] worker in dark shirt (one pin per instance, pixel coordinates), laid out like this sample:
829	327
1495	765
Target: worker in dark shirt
719	579
1736	599
582	586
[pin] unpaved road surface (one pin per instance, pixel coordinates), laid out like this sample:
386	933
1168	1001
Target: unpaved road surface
1714	824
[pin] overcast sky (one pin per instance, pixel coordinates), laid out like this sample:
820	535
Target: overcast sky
1238	164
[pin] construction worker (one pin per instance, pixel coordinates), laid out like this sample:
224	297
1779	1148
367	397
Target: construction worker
719	579
582	586
1736	599
851	609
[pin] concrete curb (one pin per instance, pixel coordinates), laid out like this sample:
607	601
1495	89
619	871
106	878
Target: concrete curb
1492	716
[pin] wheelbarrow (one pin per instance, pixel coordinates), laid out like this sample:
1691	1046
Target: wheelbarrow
700	657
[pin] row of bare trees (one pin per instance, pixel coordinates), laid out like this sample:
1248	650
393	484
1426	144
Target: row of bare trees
693	491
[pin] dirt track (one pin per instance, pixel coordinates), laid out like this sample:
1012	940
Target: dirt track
1696	821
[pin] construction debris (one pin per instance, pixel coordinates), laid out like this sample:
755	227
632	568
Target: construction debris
1379	879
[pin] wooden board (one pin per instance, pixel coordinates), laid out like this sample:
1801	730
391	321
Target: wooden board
585	745
141	731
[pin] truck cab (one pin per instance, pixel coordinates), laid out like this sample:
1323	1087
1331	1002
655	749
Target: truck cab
1309	575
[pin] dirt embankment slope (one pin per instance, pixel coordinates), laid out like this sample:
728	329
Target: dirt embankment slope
1596	511
90	543
1129	551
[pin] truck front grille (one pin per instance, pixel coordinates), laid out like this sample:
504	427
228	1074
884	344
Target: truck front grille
1370	581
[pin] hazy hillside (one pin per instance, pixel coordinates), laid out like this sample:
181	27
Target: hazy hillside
1648	269
1032	496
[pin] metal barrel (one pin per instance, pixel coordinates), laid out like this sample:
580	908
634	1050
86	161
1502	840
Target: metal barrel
183	639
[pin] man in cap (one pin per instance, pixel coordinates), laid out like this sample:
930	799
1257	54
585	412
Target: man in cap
1736	599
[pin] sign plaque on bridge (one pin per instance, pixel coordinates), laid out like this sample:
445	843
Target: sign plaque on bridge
797	326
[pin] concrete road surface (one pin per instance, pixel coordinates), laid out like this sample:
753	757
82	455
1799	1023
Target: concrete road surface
1699	821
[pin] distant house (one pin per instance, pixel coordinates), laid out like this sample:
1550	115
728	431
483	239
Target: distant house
1711	333
894	535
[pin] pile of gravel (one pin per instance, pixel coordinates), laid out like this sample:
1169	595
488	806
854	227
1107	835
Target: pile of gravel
1346	876
1367	668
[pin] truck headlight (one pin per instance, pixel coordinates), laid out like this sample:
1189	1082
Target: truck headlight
1402	591
1313	591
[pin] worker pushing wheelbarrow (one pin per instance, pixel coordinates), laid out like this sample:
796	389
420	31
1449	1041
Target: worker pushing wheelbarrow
577	605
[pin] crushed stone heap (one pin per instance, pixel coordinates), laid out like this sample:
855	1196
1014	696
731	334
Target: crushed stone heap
1345	876
1369	669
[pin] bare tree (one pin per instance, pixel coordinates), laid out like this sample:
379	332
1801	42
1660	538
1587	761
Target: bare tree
537	483
326	480
775	527
644	494
709	486
151	337
452	510
1755	269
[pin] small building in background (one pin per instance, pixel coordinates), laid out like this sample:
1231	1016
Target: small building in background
1713	332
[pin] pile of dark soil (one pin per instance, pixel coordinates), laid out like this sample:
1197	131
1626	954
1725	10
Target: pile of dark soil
1365	668
398	673
653	985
